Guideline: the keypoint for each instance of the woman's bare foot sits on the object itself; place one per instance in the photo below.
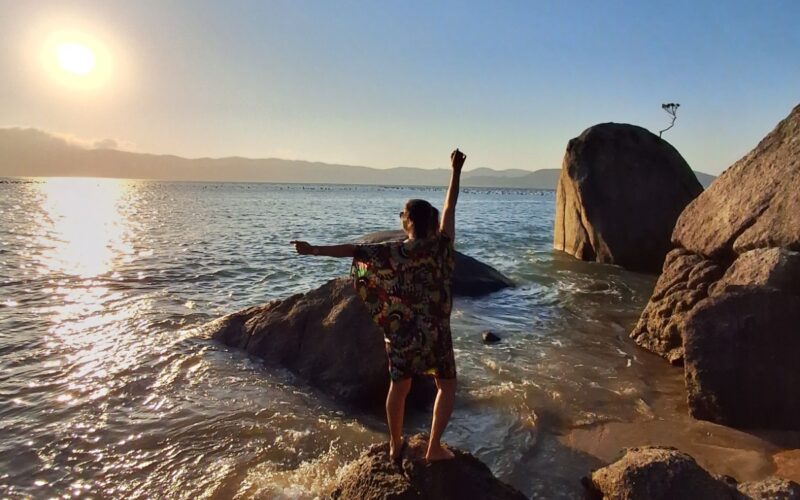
(438, 452)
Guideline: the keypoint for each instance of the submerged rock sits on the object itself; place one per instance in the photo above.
(471, 278)
(654, 473)
(726, 303)
(325, 336)
(490, 337)
(374, 476)
(620, 192)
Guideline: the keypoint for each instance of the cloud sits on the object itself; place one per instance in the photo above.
(107, 143)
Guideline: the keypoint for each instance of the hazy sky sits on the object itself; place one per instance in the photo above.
(385, 84)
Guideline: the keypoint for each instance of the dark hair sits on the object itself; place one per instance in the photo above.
(423, 216)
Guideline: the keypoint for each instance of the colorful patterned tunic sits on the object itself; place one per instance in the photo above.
(407, 289)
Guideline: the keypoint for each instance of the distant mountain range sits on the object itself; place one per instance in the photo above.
(34, 153)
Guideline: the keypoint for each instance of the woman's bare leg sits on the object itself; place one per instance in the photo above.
(442, 408)
(395, 410)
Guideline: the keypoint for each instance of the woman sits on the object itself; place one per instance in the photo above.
(407, 288)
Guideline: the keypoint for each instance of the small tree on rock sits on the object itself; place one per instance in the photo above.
(672, 110)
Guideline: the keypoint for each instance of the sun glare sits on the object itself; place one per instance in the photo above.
(75, 58)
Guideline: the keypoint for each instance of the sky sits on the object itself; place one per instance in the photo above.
(385, 84)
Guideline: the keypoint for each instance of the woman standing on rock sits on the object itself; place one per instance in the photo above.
(407, 287)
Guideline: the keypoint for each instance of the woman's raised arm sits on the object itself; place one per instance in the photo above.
(303, 248)
(457, 159)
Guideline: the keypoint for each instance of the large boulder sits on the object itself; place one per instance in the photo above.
(471, 278)
(325, 336)
(375, 476)
(318, 335)
(742, 350)
(620, 192)
(653, 473)
(726, 302)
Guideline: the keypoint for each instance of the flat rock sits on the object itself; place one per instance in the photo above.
(620, 191)
(374, 476)
(471, 277)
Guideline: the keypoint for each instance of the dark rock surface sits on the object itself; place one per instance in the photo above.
(620, 192)
(654, 473)
(319, 336)
(374, 476)
(742, 350)
(770, 489)
(735, 245)
(471, 278)
(490, 337)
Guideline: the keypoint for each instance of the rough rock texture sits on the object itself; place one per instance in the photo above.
(754, 204)
(471, 278)
(741, 356)
(736, 262)
(770, 489)
(325, 336)
(620, 192)
(374, 476)
(655, 473)
(683, 284)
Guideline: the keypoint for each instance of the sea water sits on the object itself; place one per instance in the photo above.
(106, 390)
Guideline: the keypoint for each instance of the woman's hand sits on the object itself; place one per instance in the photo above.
(457, 159)
(448, 227)
(302, 247)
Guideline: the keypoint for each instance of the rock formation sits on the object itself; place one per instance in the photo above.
(325, 336)
(320, 334)
(654, 473)
(727, 304)
(620, 192)
(374, 476)
(471, 278)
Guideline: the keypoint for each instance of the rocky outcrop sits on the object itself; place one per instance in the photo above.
(374, 476)
(620, 192)
(726, 304)
(682, 285)
(655, 473)
(318, 335)
(326, 337)
(471, 278)
(741, 350)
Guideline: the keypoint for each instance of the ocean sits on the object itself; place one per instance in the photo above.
(107, 391)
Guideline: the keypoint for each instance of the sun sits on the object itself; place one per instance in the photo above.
(78, 60)
(75, 58)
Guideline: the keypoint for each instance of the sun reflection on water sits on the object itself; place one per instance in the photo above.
(84, 226)
(85, 234)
